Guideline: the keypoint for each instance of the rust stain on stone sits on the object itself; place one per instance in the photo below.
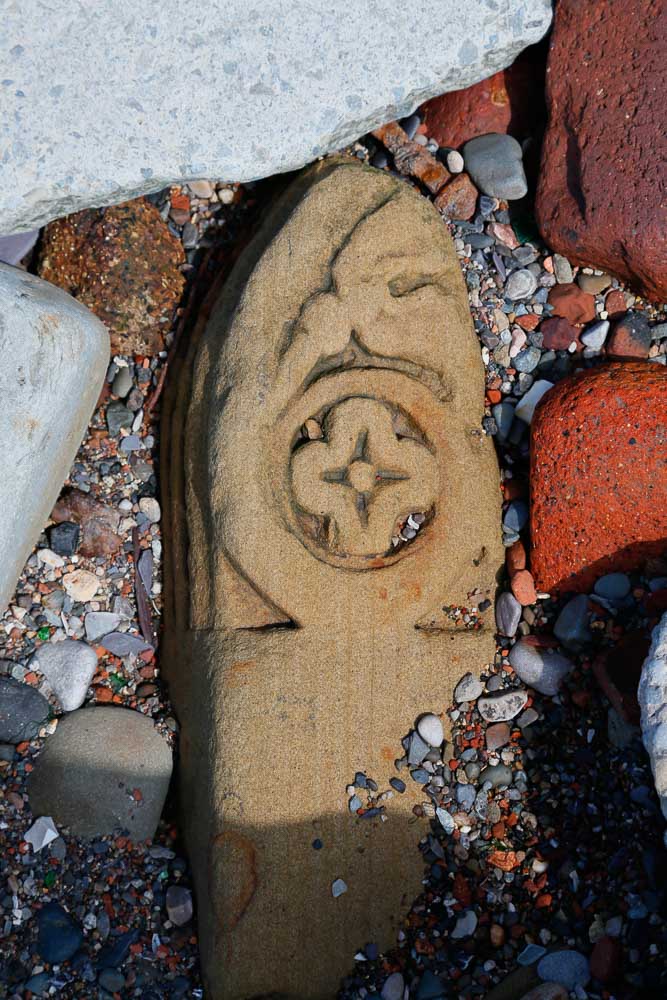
(232, 864)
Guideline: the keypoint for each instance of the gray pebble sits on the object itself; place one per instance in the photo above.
(516, 516)
(508, 614)
(542, 669)
(23, 710)
(497, 774)
(122, 383)
(562, 269)
(595, 335)
(520, 284)
(503, 706)
(69, 667)
(569, 968)
(571, 626)
(469, 688)
(528, 359)
(495, 163)
(465, 796)
(118, 417)
(613, 586)
(503, 414)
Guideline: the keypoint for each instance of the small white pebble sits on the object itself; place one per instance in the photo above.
(338, 887)
(454, 161)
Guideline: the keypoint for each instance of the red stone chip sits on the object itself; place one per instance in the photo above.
(599, 475)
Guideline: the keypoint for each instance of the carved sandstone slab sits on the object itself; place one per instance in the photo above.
(336, 390)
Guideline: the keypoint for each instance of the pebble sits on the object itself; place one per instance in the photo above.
(431, 730)
(520, 284)
(469, 688)
(503, 414)
(99, 623)
(541, 669)
(338, 887)
(111, 980)
(465, 925)
(201, 189)
(495, 163)
(525, 408)
(23, 711)
(497, 774)
(571, 626)
(151, 508)
(527, 360)
(39, 985)
(562, 269)
(42, 832)
(122, 383)
(81, 585)
(454, 161)
(497, 736)
(569, 968)
(69, 667)
(515, 516)
(118, 418)
(503, 705)
(123, 644)
(58, 936)
(179, 905)
(393, 987)
(595, 335)
(613, 586)
(64, 538)
(508, 615)
(523, 588)
(594, 284)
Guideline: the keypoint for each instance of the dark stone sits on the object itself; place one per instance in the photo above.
(58, 936)
(22, 711)
(64, 538)
(630, 337)
(114, 954)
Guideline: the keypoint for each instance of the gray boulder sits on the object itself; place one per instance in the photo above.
(103, 769)
(100, 107)
(652, 695)
(54, 357)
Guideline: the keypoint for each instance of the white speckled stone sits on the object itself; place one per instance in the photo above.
(53, 358)
(103, 102)
(652, 695)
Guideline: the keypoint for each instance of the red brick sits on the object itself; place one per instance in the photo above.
(599, 475)
(599, 196)
(458, 199)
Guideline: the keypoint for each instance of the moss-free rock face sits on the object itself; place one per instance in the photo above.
(53, 356)
(329, 497)
(601, 196)
(598, 475)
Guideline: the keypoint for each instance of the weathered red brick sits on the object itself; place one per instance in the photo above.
(599, 475)
(601, 196)
(458, 199)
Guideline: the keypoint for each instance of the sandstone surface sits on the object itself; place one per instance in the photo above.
(100, 105)
(54, 356)
(602, 195)
(336, 390)
(599, 475)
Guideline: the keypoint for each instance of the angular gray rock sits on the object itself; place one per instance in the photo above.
(23, 710)
(54, 357)
(101, 108)
(103, 769)
(652, 695)
(68, 666)
(541, 669)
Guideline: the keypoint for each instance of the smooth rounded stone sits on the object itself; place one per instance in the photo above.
(122, 382)
(508, 614)
(562, 269)
(111, 980)
(118, 417)
(469, 688)
(54, 358)
(364, 78)
(546, 991)
(541, 669)
(520, 284)
(102, 770)
(151, 508)
(393, 987)
(69, 667)
(465, 796)
(495, 163)
(23, 710)
(595, 335)
(497, 774)
(571, 626)
(465, 925)
(39, 984)
(58, 936)
(525, 408)
(569, 968)
(527, 360)
(124, 644)
(652, 696)
(179, 904)
(503, 705)
(515, 516)
(454, 161)
(431, 730)
(497, 736)
(503, 414)
(100, 623)
(613, 586)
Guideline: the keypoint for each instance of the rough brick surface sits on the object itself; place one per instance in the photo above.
(602, 197)
(599, 475)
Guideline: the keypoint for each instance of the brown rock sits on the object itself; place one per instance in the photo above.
(98, 522)
(630, 337)
(497, 735)
(412, 159)
(615, 304)
(123, 263)
(284, 592)
(458, 199)
(497, 935)
(558, 333)
(515, 557)
(523, 587)
(593, 283)
(507, 102)
(570, 302)
(601, 196)
(598, 475)
(606, 959)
